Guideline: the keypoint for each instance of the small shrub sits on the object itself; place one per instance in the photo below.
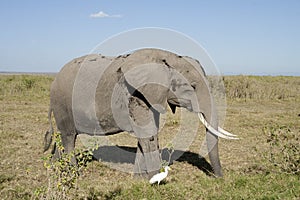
(64, 172)
(23, 84)
(28, 83)
(284, 150)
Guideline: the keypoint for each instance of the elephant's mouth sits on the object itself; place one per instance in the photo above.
(185, 103)
(188, 105)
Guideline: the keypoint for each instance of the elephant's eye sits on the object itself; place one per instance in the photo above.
(193, 86)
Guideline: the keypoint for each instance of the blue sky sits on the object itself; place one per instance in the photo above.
(260, 37)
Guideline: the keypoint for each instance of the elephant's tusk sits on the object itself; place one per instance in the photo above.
(214, 131)
(226, 132)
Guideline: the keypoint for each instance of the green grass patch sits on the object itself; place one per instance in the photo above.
(271, 186)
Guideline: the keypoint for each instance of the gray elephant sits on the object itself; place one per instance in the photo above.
(100, 95)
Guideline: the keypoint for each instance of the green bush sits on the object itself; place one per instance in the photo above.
(63, 172)
(28, 83)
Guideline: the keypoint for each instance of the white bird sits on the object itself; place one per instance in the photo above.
(160, 176)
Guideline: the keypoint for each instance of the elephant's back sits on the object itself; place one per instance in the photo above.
(75, 86)
(62, 86)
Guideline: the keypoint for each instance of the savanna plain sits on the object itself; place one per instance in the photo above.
(264, 163)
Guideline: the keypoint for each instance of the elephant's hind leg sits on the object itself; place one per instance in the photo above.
(68, 144)
(68, 134)
(68, 141)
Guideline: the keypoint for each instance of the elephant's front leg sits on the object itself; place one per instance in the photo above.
(148, 159)
(145, 122)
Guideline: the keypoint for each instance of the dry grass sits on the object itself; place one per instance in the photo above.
(262, 87)
(252, 104)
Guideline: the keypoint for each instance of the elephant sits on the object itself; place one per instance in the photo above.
(101, 95)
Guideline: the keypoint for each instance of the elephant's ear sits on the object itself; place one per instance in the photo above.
(152, 81)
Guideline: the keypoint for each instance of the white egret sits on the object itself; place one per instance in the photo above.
(160, 176)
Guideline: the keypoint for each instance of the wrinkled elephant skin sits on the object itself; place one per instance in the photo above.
(100, 95)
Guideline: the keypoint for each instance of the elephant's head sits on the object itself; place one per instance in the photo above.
(165, 78)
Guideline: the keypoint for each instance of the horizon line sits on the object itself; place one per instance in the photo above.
(294, 74)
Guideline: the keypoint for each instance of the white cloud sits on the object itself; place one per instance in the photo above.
(102, 14)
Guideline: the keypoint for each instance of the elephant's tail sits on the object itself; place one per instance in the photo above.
(49, 133)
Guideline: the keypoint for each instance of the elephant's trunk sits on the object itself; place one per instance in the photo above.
(212, 140)
(212, 144)
(209, 117)
(208, 112)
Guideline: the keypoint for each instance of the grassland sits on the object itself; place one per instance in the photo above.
(257, 107)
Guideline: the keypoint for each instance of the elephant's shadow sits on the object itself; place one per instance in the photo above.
(126, 155)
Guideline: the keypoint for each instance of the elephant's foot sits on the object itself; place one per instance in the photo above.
(147, 165)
